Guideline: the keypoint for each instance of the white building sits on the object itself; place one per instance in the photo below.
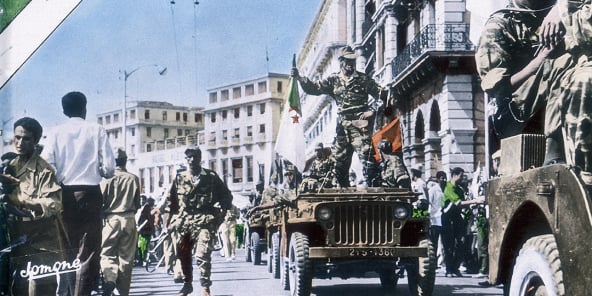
(242, 122)
(157, 135)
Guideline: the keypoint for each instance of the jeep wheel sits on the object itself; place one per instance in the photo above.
(255, 248)
(421, 272)
(285, 274)
(388, 280)
(275, 255)
(248, 257)
(299, 265)
(538, 268)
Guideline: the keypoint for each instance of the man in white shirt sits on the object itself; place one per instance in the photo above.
(79, 151)
(435, 200)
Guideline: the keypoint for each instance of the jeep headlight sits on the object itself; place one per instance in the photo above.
(324, 213)
(401, 212)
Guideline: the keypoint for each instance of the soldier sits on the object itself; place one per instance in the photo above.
(350, 89)
(520, 63)
(394, 173)
(121, 201)
(201, 200)
(321, 172)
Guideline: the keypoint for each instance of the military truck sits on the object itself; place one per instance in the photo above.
(349, 232)
(540, 223)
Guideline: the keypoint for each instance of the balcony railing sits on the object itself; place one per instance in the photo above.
(447, 37)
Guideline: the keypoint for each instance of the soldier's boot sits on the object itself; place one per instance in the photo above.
(186, 290)
(108, 288)
(205, 291)
(554, 150)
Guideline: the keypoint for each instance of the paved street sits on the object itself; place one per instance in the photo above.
(240, 278)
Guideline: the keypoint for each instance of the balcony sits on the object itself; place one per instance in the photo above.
(235, 141)
(248, 140)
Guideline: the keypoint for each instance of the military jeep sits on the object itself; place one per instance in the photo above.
(254, 237)
(349, 233)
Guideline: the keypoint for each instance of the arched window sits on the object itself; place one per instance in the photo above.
(419, 128)
(435, 121)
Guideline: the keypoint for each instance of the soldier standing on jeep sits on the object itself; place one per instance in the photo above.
(350, 89)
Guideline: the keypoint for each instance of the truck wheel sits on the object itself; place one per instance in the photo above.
(538, 268)
(388, 280)
(421, 272)
(255, 248)
(299, 265)
(248, 257)
(285, 274)
(275, 255)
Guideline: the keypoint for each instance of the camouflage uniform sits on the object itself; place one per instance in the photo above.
(351, 96)
(577, 107)
(320, 176)
(201, 202)
(508, 43)
(394, 172)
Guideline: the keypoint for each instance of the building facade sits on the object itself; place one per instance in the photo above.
(420, 52)
(241, 125)
(157, 134)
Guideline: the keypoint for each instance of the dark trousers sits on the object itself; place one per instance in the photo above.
(82, 222)
(454, 229)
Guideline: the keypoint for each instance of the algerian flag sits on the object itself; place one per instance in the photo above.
(290, 140)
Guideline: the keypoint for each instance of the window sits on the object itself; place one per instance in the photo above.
(236, 112)
(224, 114)
(213, 164)
(100, 120)
(108, 119)
(236, 133)
(179, 132)
(116, 134)
(213, 97)
(224, 135)
(262, 108)
(224, 95)
(184, 116)
(141, 180)
(249, 110)
(197, 117)
(236, 92)
(249, 90)
(249, 131)
(147, 114)
(213, 137)
(224, 169)
(133, 131)
(237, 170)
(148, 147)
(148, 131)
(249, 160)
(132, 114)
(262, 87)
(151, 179)
(133, 149)
(279, 86)
(262, 128)
(178, 116)
(166, 133)
(164, 115)
(115, 117)
(212, 117)
(187, 132)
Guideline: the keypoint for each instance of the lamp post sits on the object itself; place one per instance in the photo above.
(126, 75)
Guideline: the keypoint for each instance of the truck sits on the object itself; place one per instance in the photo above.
(350, 232)
(540, 223)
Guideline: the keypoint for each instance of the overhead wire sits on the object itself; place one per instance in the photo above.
(172, 2)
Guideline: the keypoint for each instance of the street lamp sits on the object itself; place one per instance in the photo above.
(126, 75)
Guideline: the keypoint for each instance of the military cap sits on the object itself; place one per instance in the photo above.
(348, 53)
(120, 154)
(319, 146)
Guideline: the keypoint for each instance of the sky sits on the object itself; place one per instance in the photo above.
(204, 46)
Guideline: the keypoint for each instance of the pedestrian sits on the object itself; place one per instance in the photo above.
(435, 196)
(394, 172)
(80, 152)
(350, 89)
(228, 233)
(121, 196)
(418, 185)
(146, 229)
(201, 200)
(36, 199)
(521, 63)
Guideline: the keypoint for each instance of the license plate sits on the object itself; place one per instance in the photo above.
(373, 252)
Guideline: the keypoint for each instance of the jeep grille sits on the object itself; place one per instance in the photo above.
(364, 224)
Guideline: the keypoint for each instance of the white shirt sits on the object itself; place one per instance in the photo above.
(80, 152)
(435, 199)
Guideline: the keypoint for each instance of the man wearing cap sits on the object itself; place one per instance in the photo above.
(321, 172)
(81, 155)
(201, 199)
(394, 172)
(121, 201)
(350, 89)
